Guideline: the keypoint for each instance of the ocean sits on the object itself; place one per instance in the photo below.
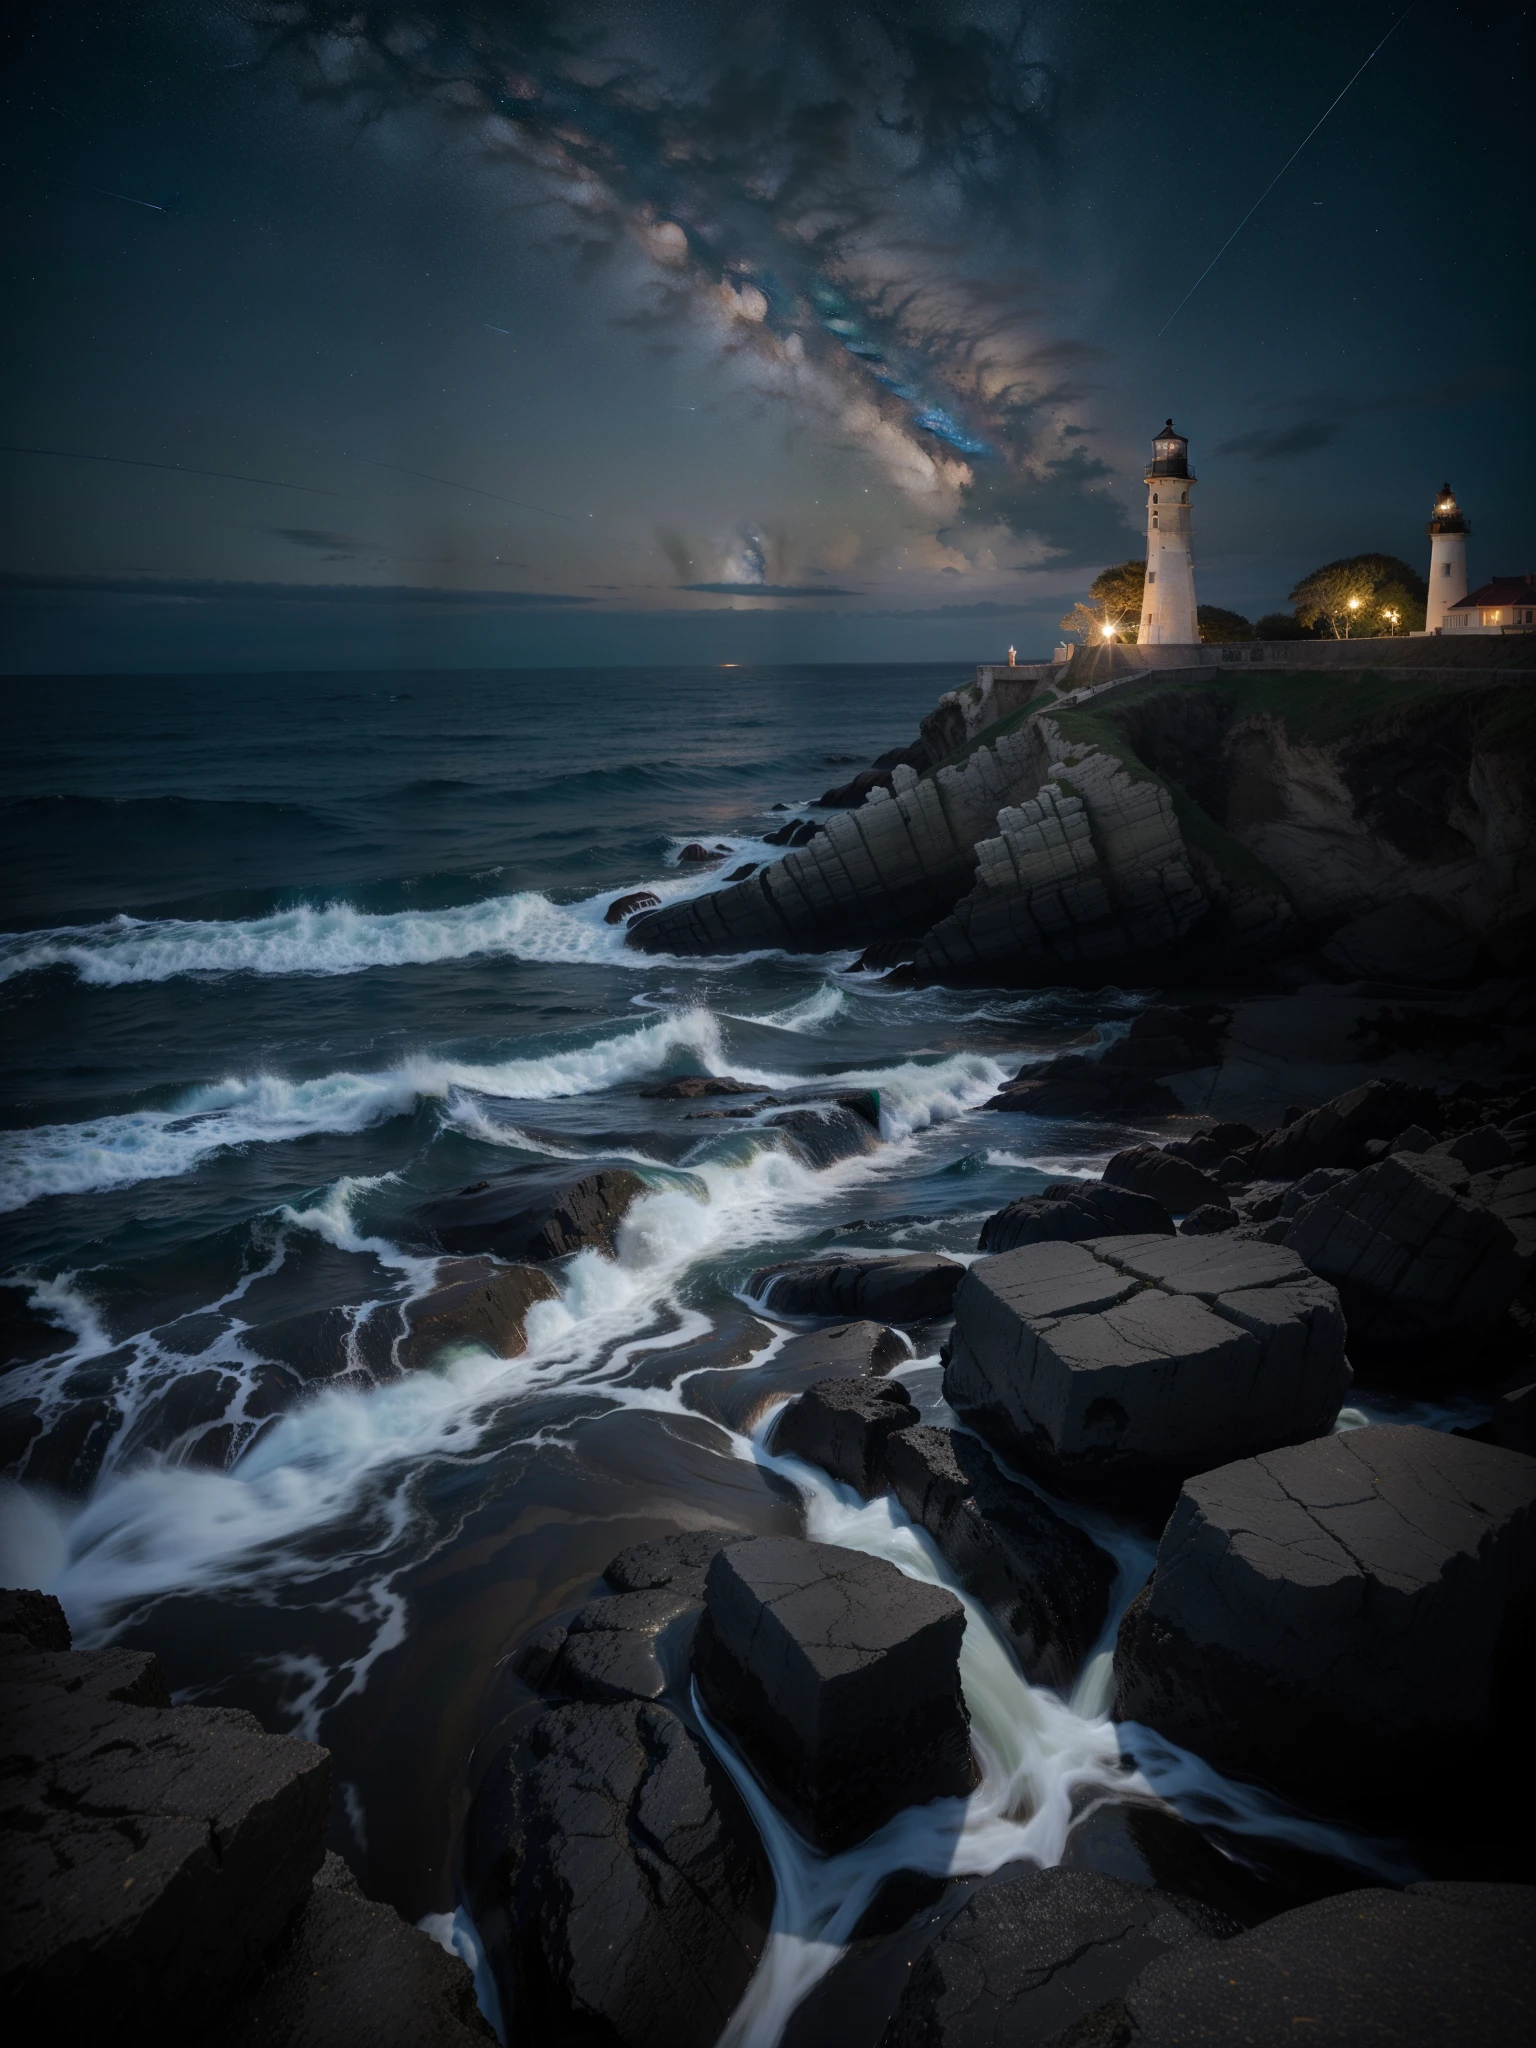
(287, 957)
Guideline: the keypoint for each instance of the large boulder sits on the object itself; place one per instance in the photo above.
(915, 1287)
(1044, 1583)
(839, 1677)
(843, 1426)
(1338, 1133)
(1421, 1968)
(1412, 1249)
(1173, 1183)
(1032, 1955)
(1344, 1620)
(536, 1216)
(1120, 1366)
(1069, 1212)
(616, 1880)
(475, 1302)
(822, 1134)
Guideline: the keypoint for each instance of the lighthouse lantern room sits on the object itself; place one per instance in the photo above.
(1168, 603)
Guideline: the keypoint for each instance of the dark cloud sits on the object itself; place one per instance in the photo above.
(203, 590)
(1065, 503)
(1274, 444)
(318, 540)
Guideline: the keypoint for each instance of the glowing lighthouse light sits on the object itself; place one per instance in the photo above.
(1168, 603)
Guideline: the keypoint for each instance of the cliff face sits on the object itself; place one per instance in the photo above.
(1188, 825)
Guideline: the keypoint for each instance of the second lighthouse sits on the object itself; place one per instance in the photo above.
(1168, 602)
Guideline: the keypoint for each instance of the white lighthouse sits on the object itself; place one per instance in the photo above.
(1168, 602)
(1448, 532)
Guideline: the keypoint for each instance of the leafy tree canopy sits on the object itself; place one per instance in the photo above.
(1362, 595)
(1220, 626)
(1114, 599)
(1280, 626)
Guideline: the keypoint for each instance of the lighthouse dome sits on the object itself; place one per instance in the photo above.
(1170, 454)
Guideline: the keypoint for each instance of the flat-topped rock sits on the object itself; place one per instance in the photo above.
(616, 1880)
(1415, 1249)
(1342, 1619)
(1071, 1211)
(1124, 1364)
(1422, 1968)
(1034, 1953)
(842, 1426)
(839, 1676)
(843, 1351)
(1043, 1581)
(536, 1216)
(913, 1288)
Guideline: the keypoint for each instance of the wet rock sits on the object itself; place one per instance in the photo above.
(914, 1288)
(149, 1855)
(625, 906)
(1044, 1583)
(617, 1880)
(843, 1425)
(1119, 1367)
(350, 1971)
(1032, 1954)
(823, 1134)
(1343, 1619)
(610, 1648)
(26, 1334)
(1070, 1211)
(694, 855)
(1434, 1964)
(1207, 1221)
(839, 1676)
(475, 1302)
(676, 1563)
(748, 867)
(1337, 1134)
(1408, 940)
(1074, 1085)
(693, 1087)
(1414, 1251)
(845, 1351)
(1147, 1843)
(1167, 1179)
(536, 1216)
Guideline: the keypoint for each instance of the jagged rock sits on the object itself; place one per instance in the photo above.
(1169, 1180)
(1414, 1139)
(1337, 1134)
(536, 1216)
(844, 1351)
(1343, 1618)
(1073, 1085)
(1309, 1187)
(1435, 1964)
(1071, 1211)
(914, 1288)
(1409, 940)
(616, 1880)
(693, 1087)
(1412, 1251)
(1091, 869)
(1213, 1148)
(1207, 1221)
(610, 1648)
(1125, 1364)
(475, 1302)
(1480, 1149)
(842, 1426)
(1171, 1039)
(149, 1855)
(679, 1563)
(1045, 1583)
(840, 1678)
(625, 906)
(849, 795)
(36, 1618)
(1032, 1954)
(351, 1971)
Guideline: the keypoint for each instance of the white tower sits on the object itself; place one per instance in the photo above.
(1447, 559)
(1168, 603)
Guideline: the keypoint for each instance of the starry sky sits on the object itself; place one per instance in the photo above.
(659, 331)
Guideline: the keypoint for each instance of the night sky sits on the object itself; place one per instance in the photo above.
(685, 332)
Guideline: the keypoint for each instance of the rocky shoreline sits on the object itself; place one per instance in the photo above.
(1333, 1192)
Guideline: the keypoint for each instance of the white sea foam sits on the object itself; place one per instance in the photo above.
(156, 1144)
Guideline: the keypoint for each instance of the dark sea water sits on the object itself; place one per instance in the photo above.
(285, 958)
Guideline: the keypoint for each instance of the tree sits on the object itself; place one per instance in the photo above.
(1222, 627)
(1352, 597)
(1114, 600)
(1280, 626)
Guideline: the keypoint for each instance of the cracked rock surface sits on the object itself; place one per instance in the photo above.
(1033, 1954)
(1342, 1617)
(839, 1677)
(1435, 1964)
(843, 1426)
(1070, 1212)
(1124, 1364)
(617, 1880)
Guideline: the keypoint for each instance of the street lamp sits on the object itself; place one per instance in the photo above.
(1391, 618)
(1107, 630)
(1353, 608)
